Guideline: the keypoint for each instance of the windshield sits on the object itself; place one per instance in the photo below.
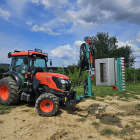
(18, 64)
(38, 62)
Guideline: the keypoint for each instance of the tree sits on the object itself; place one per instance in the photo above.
(126, 52)
(106, 47)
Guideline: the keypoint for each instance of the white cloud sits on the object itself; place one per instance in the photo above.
(4, 14)
(67, 52)
(35, 28)
(64, 52)
(65, 62)
(63, 20)
(134, 47)
(50, 3)
(78, 43)
(28, 22)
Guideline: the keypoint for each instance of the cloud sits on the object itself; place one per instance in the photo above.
(65, 62)
(28, 22)
(78, 43)
(4, 14)
(64, 52)
(130, 43)
(91, 12)
(63, 20)
(67, 52)
(50, 3)
(35, 28)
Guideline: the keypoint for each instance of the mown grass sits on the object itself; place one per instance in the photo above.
(102, 91)
(5, 109)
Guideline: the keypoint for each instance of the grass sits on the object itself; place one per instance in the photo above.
(69, 125)
(137, 106)
(15, 118)
(127, 126)
(80, 120)
(1, 122)
(121, 114)
(96, 124)
(106, 131)
(100, 99)
(25, 110)
(103, 91)
(134, 123)
(90, 137)
(5, 109)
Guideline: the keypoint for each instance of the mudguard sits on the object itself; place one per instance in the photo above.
(15, 76)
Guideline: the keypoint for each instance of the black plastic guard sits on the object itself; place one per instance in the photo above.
(70, 99)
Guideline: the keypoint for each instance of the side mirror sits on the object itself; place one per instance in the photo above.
(50, 63)
(9, 55)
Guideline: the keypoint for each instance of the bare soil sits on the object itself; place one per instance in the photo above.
(86, 120)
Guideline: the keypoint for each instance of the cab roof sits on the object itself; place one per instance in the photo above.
(26, 53)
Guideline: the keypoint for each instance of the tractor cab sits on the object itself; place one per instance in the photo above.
(27, 64)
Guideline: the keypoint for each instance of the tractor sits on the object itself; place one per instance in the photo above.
(28, 80)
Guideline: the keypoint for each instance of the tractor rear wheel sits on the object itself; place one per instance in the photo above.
(9, 93)
(47, 104)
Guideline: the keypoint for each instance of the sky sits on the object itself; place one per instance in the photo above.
(58, 27)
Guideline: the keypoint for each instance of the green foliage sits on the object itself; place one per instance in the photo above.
(74, 76)
(129, 74)
(59, 70)
(106, 131)
(5, 109)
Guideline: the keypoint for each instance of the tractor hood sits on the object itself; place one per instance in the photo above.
(56, 75)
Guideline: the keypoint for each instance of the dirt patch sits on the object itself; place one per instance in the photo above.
(75, 123)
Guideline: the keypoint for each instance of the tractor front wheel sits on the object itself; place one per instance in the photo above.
(47, 104)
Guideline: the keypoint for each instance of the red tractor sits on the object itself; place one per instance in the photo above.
(28, 79)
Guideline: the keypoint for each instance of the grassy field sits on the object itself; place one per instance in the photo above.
(102, 91)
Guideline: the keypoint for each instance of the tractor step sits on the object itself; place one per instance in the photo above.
(25, 97)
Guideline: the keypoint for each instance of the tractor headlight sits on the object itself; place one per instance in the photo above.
(63, 81)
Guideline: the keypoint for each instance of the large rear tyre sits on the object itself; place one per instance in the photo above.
(9, 92)
(47, 105)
